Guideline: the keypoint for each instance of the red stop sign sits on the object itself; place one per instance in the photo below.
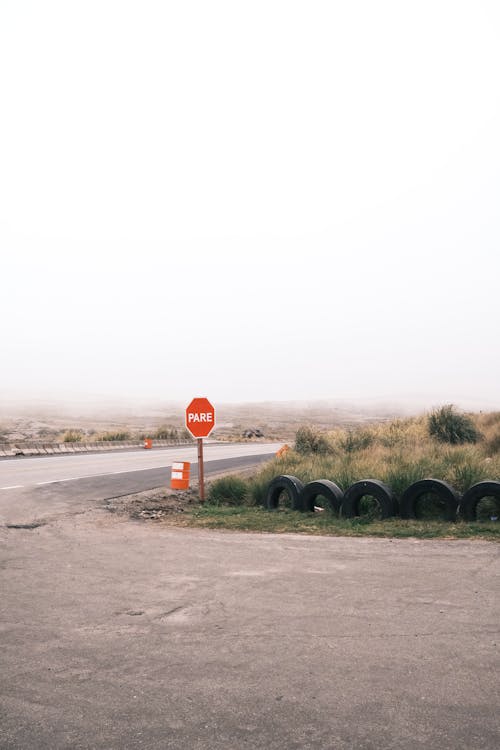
(200, 417)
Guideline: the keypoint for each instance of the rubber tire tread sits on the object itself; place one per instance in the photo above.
(379, 490)
(327, 489)
(291, 485)
(471, 498)
(445, 491)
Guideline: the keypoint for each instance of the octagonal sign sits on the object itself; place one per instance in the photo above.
(200, 417)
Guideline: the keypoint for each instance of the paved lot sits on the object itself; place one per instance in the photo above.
(118, 634)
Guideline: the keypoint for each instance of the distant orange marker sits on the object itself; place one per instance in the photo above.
(283, 450)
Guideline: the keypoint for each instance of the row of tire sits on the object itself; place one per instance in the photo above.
(304, 497)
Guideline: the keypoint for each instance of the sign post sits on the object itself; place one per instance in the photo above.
(201, 477)
(200, 421)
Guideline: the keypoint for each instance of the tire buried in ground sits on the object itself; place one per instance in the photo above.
(374, 488)
(284, 483)
(437, 487)
(474, 495)
(329, 490)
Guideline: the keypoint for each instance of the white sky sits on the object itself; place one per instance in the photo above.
(250, 200)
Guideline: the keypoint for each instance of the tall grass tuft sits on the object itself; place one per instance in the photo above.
(229, 490)
(114, 436)
(72, 436)
(448, 426)
(311, 440)
(356, 440)
(165, 432)
(257, 490)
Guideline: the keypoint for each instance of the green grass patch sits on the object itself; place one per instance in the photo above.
(257, 519)
(230, 490)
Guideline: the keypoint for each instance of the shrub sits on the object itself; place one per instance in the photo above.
(448, 426)
(356, 441)
(165, 432)
(228, 490)
(400, 433)
(310, 440)
(115, 436)
(72, 436)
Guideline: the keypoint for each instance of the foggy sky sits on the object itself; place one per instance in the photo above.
(250, 201)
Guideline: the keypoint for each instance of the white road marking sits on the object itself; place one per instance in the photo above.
(12, 487)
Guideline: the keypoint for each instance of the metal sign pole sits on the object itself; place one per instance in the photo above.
(200, 470)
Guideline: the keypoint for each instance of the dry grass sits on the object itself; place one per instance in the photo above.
(398, 453)
(402, 452)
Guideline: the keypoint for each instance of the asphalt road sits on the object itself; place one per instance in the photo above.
(39, 470)
(37, 489)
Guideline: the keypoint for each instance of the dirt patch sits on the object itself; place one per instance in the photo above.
(164, 503)
(153, 504)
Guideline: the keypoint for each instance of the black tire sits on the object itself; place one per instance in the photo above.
(471, 499)
(285, 482)
(437, 487)
(380, 491)
(326, 489)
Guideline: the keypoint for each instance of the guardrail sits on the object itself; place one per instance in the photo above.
(39, 448)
